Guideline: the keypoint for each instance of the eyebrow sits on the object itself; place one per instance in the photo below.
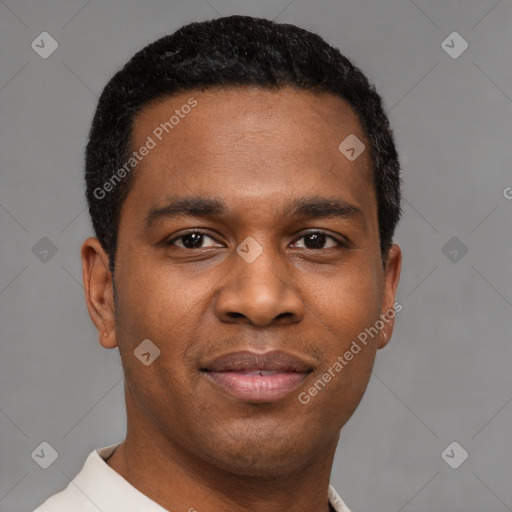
(308, 207)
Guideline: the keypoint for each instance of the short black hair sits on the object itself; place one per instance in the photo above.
(232, 51)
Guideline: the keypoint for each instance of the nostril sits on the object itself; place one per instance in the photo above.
(236, 315)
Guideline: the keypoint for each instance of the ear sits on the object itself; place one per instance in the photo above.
(99, 290)
(389, 306)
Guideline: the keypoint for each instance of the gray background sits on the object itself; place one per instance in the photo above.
(444, 377)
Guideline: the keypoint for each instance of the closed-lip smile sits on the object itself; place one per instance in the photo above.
(256, 376)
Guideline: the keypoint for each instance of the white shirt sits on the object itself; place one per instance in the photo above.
(99, 488)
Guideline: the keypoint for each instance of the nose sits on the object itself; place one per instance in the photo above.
(261, 293)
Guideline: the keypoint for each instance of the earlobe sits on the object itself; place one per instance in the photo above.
(108, 340)
(98, 287)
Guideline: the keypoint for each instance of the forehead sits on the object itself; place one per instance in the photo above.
(321, 120)
(248, 144)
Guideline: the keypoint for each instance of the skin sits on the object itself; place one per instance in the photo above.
(188, 443)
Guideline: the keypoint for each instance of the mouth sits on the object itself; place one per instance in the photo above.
(257, 377)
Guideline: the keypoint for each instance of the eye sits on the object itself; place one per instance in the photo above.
(196, 239)
(192, 240)
(318, 239)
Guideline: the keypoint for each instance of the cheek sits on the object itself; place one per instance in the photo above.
(345, 303)
(151, 300)
(344, 312)
(163, 307)
(153, 306)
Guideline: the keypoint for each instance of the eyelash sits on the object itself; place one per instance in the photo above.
(340, 244)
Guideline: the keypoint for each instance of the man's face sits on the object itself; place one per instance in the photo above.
(316, 284)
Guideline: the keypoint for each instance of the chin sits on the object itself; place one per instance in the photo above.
(258, 456)
(271, 465)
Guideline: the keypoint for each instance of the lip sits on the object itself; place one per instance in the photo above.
(257, 377)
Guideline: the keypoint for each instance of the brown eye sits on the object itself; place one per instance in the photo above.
(318, 240)
(192, 240)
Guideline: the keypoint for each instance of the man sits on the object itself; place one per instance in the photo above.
(244, 188)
